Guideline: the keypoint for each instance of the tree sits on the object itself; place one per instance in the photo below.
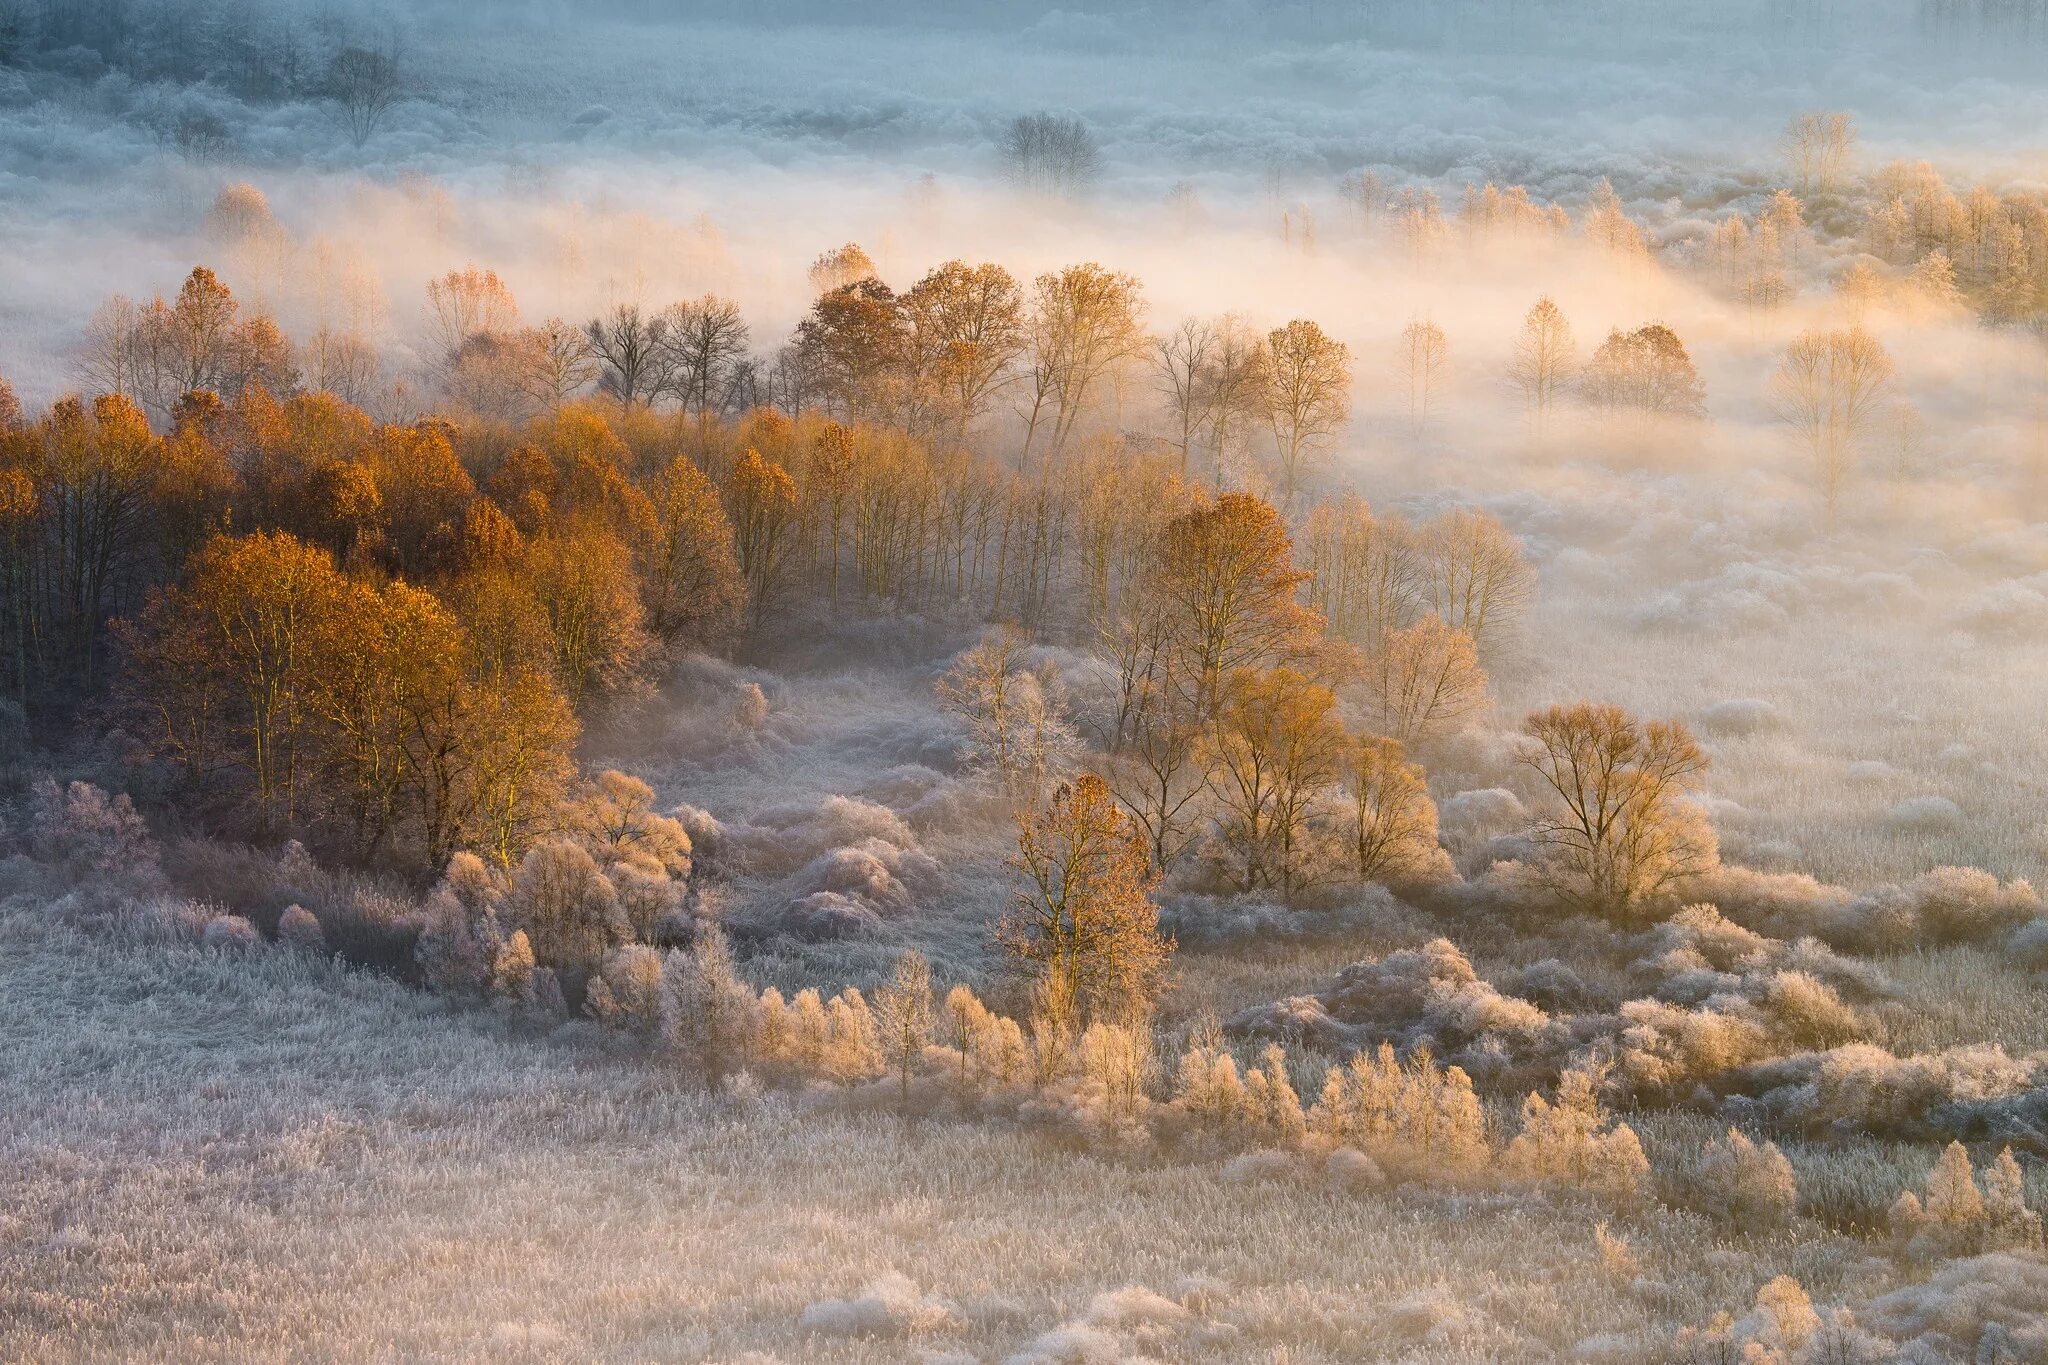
(629, 349)
(691, 582)
(852, 344)
(1048, 155)
(904, 1017)
(1222, 578)
(1818, 146)
(1018, 732)
(1235, 384)
(1424, 359)
(224, 662)
(1083, 324)
(703, 340)
(1181, 362)
(1390, 825)
(1308, 395)
(464, 304)
(1423, 680)
(1274, 755)
(966, 331)
(365, 84)
(764, 507)
(1544, 359)
(842, 266)
(1829, 390)
(710, 1019)
(1645, 373)
(1473, 573)
(563, 365)
(1620, 831)
(1082, 926)
(582, 577)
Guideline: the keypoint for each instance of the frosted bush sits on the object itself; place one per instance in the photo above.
(230, 934)
(1745, 1184)
(90, 837)
(300, 928)
(891, 1305)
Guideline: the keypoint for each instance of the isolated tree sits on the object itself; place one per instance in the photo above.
(1422, 680)
(1619, 830)
(364, 83)
(1083, 323)
(1236, 387)
(631, 357)
(1818, 148)
(840, 267)
(1830, 390)
(966, 331)
(1275, 749)
(904, 1017)
(464, 304)
(1544, 360)
(1646, 374)
(1422, 363)
(1050, 155)
(1181, 362)
(1018, 731)
(1308, 395)
(1473, 573)
(1082, 926)
(1390, 821)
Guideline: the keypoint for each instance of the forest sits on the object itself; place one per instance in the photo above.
(1319, 682)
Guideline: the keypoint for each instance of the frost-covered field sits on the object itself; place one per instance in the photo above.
(214, 1158)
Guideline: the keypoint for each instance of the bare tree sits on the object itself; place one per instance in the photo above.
(1180, 363)
(630, 353)
(1818, 147)
(1050, 155)
(702, 340)
(463, 304)
(1423, 680)
(1544, 359)
(364, 82)
(1308, 395)
(1473, 572)
(1236, 387)
(1828, 390)
(563, 363)
(1423, 361)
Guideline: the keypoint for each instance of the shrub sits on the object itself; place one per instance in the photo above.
(231, 934)
(300, 928)
(1748, 1186)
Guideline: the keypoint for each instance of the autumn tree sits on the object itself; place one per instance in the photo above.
(1645, 374)
(1082, 925)
(1423, 680)
(691, 582)
(463, 305)
(764, 508)
(1389, 822)
(1083, 323)
(1544, 360)
(1366, 573)
(853, 347)
(582, 577)
(1223, 579)
(966, 330)
(1275, 749)
(1308, 395)
(1620, 830)
(1829, 391)
(841, 266)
